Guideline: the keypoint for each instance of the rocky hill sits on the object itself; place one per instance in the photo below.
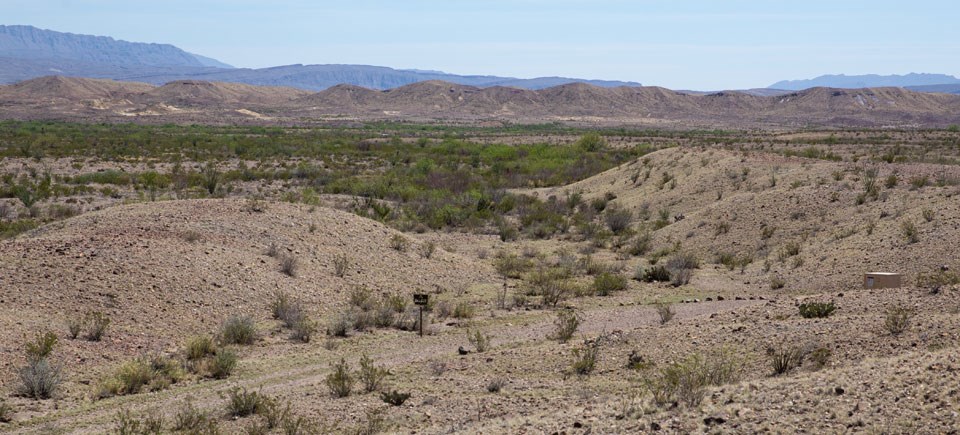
(200, 101)
(867, 81)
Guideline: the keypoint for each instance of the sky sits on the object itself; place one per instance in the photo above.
(679, 44)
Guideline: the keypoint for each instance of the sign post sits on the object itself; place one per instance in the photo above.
(421, 301)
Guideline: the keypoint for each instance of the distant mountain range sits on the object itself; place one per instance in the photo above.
(28, 52)
(911, 80)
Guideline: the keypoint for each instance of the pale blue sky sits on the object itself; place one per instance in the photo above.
(680, 44)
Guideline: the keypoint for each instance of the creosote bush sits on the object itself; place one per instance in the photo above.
(340, 381)
(200, 347)
(371, 375)
(897, 319)
(238, 330)
(399, 243)
(242, 403)
(479, 340)
(811, 310)
(566, 324)
(585, 357)
(97, 324)
(685, 381)
(665, 311)
(288, 265)
(607, 283)
(128, 424)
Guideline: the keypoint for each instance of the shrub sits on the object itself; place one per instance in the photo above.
(370, 375)
(640, 245)
(273, 250)
(777, 283)
(238, 330)
(685, 381)
(6, 411)
(128, 424)
(74, 327)
(286, 309)
(607, 283)
(512, 266)
(479, 340)
(817, 309)
(665, 311)
(153, 373)
(200, 347)
(496, 384)
(41, 346)
(242, 403)
(897, 320)
(618, 219)
(566, 324)
(783, 359)
(928, 215)
(656, 274)
(910, 232)
(919, 181)
(394, 397)
(192, 420)
(585, 357)
(399, 243)
(97, 324)
(288, 265)
(820, 357)
(303, 329)
(340, 381)
(463, 310)
(274, 413)
(788, 250)
(340, 325)
(361, 297)
(192, 236)
(680, 267)
(223, 363)
(340, 264)
(40, 379)
(427, 249)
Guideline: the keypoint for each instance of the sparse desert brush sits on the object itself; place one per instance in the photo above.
(126, 423)
(463, 310)
(6, 411)
(640, 245)
(139, 374)
(512, 266)
(399, 243)
(606, 284)
(289, 265)
(789, 249)
(654, 274)
(192, 236)
(811, 310)
(585, 357)
(223, 363)
(75, 325)
(820, 357)
(97, 324)
(928, 214)
(40, 378)
(303, 329)
(341, 324)
(370, 374)
(238, 330)
(664, 311)
(910, 231)
(618, 219)
(919, 181)
(897, 319)
(785, 358)
(242, 403)
(189, 419)
(935, 282)
(41, 346)
(361, 297)
(340, 381)
(777, 283)
(428, 249)
(566, 324)
(479, 340)
(685, 381)
(340, 265)
(394, 397)
(496, 384)
(273, 250)
(199, 347)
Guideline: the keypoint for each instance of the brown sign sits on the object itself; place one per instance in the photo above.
(420, 299)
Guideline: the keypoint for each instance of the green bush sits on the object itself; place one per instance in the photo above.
(223, 363)
(41, 346)
(40, 379)
(817, 310)
(340, 381)
(685, 381)
(128, 424)
(585, 357)
(370, 375)
(606, 283)
(479, 340)
(897, 319)
(566, 324)
(97, 325)
(191, 420)
(200, 347)
(238, 330)
(783, 359)
(394, 397)
(242, 403)
(665, 311)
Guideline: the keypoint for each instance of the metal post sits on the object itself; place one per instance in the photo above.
(421, 320)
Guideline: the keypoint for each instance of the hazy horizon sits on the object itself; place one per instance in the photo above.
(698, 44)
